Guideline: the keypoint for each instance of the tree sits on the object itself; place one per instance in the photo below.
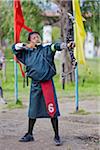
(90, 10)
(66, 35)
(32, 16)
(6, 21)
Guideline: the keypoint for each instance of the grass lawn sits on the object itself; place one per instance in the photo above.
(90, 88)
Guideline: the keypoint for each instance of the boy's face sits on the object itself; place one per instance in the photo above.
(35, 39)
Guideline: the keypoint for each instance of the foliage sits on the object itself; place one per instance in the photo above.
(32, 16)
(6, 21)
(90, 11)
(56, 34)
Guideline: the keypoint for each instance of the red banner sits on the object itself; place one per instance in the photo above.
(18, 25)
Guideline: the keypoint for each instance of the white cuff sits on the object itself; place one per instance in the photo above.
(19, 46)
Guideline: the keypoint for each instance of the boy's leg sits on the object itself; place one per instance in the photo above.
(54, 122)
(31, 125)
(28, 136)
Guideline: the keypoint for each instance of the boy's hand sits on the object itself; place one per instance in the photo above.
(63, 45)
(19, 46)
(71, 44)
(28, 45)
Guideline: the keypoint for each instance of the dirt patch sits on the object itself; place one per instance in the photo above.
(90, 139)
(78, 132)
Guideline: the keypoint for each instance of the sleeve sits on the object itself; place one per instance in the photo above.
(21, 54)
(56, 47)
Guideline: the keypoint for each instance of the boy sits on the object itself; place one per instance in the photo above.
(40, 67)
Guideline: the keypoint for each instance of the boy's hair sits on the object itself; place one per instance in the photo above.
(34, 32)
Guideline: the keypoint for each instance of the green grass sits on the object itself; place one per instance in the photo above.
(13, 105)
(8, 85)
(98, 113)
(91, 87)
(81, 112)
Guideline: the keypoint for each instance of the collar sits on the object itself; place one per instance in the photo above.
(39, 46)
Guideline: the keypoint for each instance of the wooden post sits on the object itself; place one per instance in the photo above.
(63, 77)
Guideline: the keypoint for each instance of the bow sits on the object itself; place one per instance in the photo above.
(69, 38)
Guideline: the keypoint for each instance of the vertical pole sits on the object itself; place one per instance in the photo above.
(76, 89)
(15, 63)
(63, 72)
(16, 80)
(76, 70)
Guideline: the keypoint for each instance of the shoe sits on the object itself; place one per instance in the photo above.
(57, 141)
(27, 138)
(3, 101)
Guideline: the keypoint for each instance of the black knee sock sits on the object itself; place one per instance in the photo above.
(31, 125)
(54, 122)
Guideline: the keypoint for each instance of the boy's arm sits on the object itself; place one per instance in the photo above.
(69, 46)
(17, 48)
(56, 47)
(60, 46)
(19, 51)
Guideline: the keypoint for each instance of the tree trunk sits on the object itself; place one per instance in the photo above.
(66, 27)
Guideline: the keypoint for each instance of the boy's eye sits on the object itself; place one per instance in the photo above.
(33, 37)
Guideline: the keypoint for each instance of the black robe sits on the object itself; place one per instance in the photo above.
(40, 67)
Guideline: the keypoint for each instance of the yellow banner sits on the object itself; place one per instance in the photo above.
(79, 33)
